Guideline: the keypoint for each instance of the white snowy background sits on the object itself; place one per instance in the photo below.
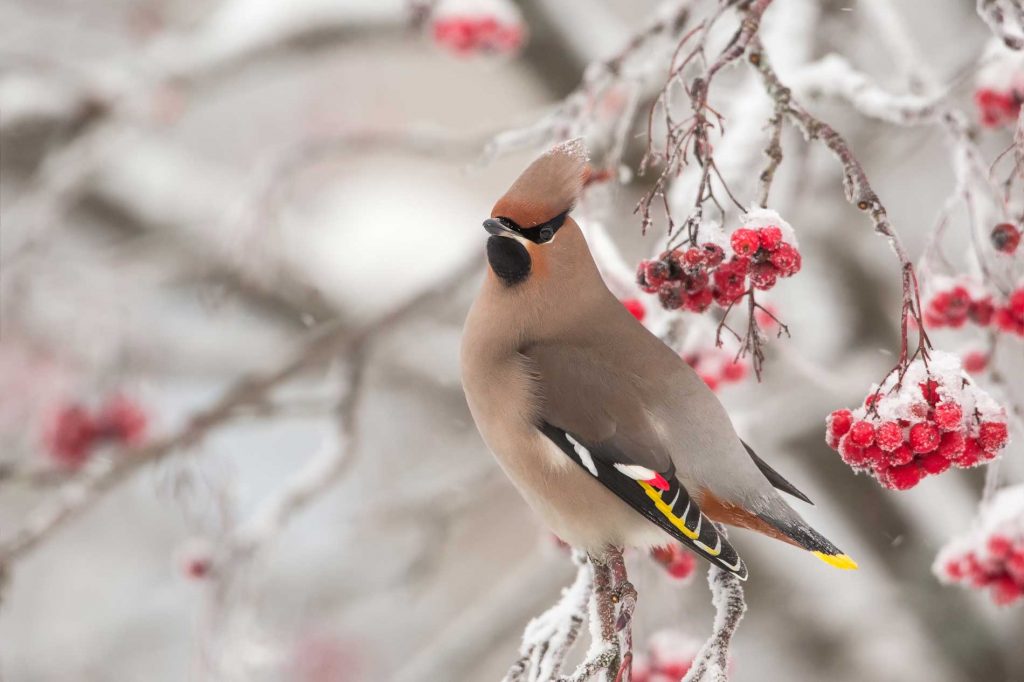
(169, 256)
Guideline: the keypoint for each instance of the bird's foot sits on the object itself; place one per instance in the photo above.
(624, 595)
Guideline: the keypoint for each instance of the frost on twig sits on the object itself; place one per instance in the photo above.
(1006, 19)
(600, 594)
(549, 637)
(712, 662)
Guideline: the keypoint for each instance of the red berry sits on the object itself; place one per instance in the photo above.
(839, 422)
(934, 463)
(670, 294)
(996, 108)
(763, 275)
(992, 436)
(889, 436)
(70, 435)
(862, 434)
(948, 416)
(901, 455)
(971, 454)
(635, 308)
(851, 453)
(734, 371)
(1000, 546)
(651, 274)
(975, 361)
(693, 257)
(745, 242)
(714, 254)
(924, 437)
(770, 237)
(1005, 237)
(981, 311)
(699, 301)
(123, 420)
(951, 446)
(711, 381)
(787, 259)
(903, 477)
(872, 399)
(695, 281)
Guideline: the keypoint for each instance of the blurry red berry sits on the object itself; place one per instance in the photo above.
(699, 301)
(122, 419)
(70, 435)
(635, 308)
(975, 361)
(934, 463)
(1005, 237)
(734, 371)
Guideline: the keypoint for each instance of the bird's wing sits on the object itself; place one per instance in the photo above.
(657, 495)
(774, 477)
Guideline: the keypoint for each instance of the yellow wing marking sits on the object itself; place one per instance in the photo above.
(666, 510)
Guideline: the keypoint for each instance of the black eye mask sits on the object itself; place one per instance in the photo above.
(538, 234)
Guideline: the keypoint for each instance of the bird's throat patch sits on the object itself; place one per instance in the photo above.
(509, 259)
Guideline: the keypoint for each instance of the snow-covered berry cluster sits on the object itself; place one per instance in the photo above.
(717, 366)
(952, 302)
(679, 563)
(933, 419)
(999, 88)
(472, 28)
(1005, 238)
(756, 255)
(73, 431)
(668, 656)
(991, 556)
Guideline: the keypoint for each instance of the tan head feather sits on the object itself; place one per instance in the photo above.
(548, 187)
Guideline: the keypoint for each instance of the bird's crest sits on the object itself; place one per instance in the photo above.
(549, 186)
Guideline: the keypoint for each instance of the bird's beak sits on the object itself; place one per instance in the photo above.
(497, 229)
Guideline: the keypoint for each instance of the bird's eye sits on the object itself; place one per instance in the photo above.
(546, 234)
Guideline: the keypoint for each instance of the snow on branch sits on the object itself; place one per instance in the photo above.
(1006, 19)
(712, 661)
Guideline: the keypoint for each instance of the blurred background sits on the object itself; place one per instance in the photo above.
(239, 240)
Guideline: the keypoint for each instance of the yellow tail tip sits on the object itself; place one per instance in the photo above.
(837, 560)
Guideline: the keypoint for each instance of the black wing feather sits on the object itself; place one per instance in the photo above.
(774, 477)
(667, 509)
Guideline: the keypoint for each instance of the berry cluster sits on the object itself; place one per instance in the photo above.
(692, 279)
(997, 108)
(991, 556)
(1010, 317)
(1005, 238)
(678, 562)
(72, 432)
(466, 35)
(717, 366)
(952, 302)
(933, 419)
(667, 658)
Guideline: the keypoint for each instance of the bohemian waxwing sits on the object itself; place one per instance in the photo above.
(609, 435)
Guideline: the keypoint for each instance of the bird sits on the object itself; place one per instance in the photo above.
(608, 434)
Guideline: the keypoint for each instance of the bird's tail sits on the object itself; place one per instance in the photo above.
(814, 542)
